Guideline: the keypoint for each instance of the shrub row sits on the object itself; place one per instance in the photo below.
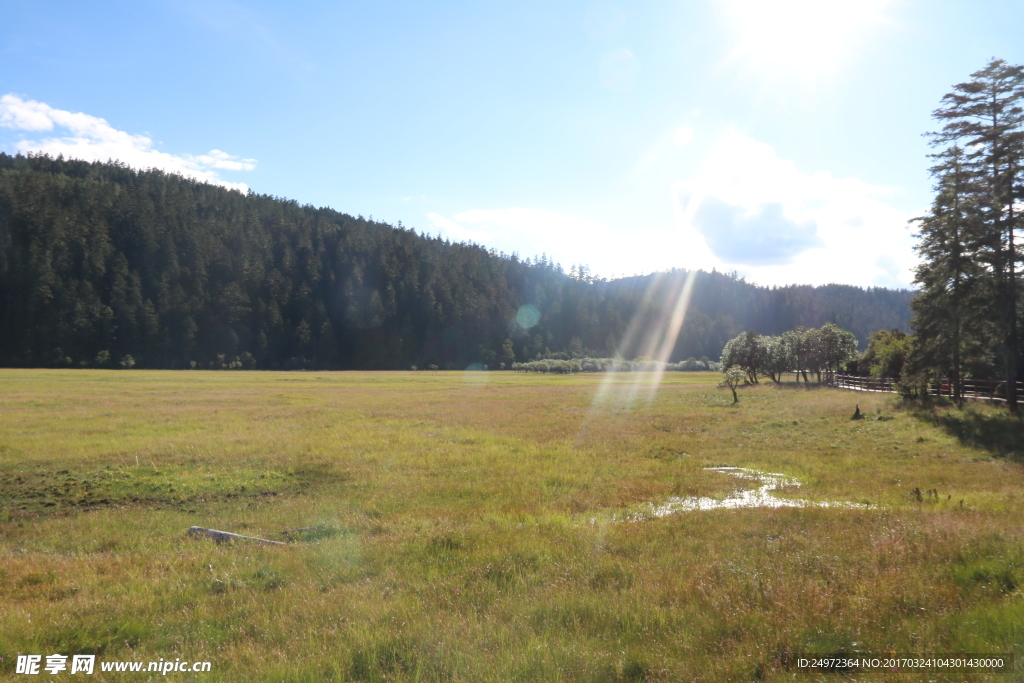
(566, 367)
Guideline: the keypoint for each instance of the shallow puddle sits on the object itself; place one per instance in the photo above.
(762, 496)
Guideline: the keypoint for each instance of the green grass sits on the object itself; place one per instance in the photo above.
(467, 526)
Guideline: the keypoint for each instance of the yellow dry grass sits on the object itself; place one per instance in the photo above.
(471, 527)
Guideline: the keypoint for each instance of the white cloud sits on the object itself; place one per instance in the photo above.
(682, 136)
(565, 237)
(455, 231)
(755, 212)
(223, 160)
(745, 208)
(81, 136)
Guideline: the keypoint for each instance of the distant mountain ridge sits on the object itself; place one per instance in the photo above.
(99, 261)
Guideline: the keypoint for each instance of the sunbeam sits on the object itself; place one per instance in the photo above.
(651, 335)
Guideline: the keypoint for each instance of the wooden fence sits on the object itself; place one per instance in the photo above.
(981, 389)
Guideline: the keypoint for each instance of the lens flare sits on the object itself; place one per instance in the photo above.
(527, 316)
(651, 335)
(476, 374)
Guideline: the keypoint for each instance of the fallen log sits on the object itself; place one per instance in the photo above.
(223, 536)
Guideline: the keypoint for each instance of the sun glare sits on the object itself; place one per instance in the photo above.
(667, 297)
(809, 36)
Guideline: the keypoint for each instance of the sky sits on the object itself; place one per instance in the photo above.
(778, 139)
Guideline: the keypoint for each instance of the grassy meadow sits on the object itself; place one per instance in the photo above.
(491, 527)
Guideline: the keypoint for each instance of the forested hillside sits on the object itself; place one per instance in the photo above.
(100, 261)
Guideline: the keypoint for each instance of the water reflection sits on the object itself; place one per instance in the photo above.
(763, 496)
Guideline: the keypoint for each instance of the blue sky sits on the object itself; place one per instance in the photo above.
(777, 138)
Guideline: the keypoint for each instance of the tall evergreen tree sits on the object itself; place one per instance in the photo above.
(985, 117)
(950, 278)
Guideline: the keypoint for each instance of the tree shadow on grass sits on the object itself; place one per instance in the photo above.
(791, 385)
(998, 433)
(798, 385)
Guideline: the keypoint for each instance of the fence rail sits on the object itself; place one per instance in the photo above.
(981, 389)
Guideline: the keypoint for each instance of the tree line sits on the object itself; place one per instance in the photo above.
(800, 351)
(967, 314)
(575, 365)
(102, 265)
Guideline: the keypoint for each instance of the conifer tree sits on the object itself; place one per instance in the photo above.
(950, 277)
(98, 257)
(984, 116)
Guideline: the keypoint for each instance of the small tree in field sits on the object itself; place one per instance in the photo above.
(838, 347)
(776, 356)
(733, 377)
(745, 351)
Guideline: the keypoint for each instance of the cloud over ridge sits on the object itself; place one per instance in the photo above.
(751, 210)
(91, 138)
(764, 236)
